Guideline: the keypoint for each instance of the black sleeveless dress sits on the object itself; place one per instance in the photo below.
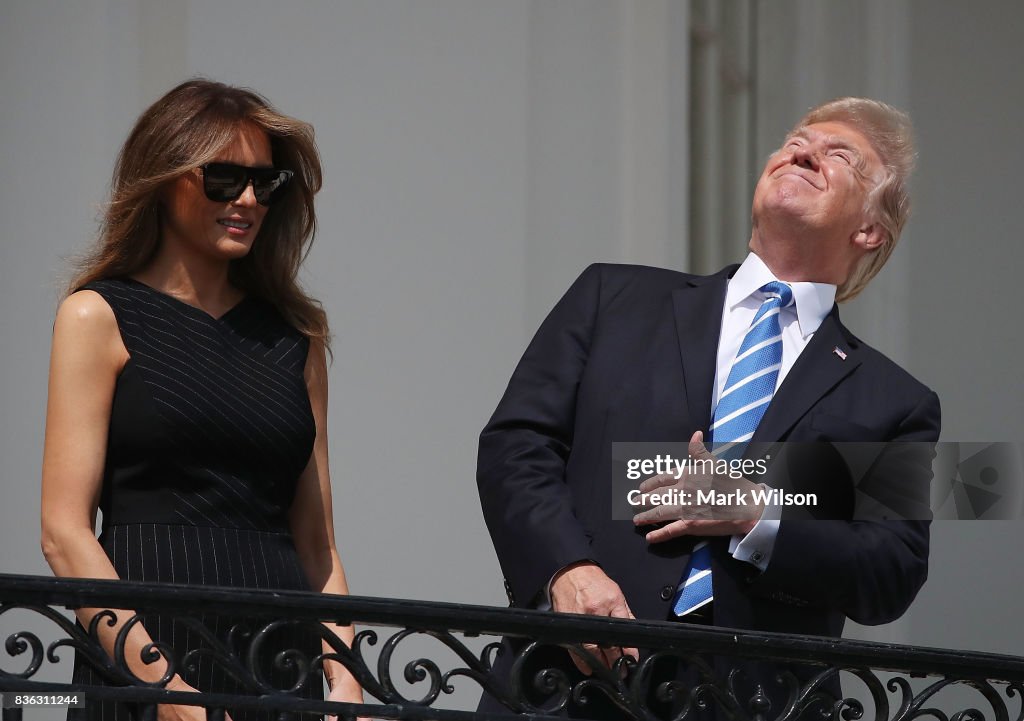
(210, 429)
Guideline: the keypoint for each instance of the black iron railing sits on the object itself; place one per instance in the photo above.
(896, 683)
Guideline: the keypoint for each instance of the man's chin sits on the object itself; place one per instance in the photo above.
(786, 209)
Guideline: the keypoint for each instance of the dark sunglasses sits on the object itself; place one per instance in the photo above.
(225, 182)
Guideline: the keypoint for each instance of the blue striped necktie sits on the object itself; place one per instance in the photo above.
(748, 391)
(751, 382)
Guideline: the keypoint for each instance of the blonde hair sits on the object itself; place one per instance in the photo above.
(891, 135)
(190, 126)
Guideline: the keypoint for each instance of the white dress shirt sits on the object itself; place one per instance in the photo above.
(812, 302)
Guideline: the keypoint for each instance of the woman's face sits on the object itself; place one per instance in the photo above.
(219, 230)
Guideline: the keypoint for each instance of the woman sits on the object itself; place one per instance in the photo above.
(188, 385)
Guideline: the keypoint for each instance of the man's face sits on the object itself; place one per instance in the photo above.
(819, 180)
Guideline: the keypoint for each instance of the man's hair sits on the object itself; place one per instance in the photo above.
(891, 135)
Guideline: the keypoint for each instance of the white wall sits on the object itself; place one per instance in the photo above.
(478, 155)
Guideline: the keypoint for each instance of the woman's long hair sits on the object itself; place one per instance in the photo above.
(184, 129)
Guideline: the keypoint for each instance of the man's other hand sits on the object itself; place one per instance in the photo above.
(693, 518)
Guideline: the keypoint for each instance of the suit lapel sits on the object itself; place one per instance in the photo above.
(819, 368)
(698, 316)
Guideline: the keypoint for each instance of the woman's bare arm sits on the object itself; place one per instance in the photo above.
(86, 358)
(312, 522)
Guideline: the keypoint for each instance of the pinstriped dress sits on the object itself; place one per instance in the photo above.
(210, 429)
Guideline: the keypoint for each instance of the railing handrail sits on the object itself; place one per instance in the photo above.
(475, 619)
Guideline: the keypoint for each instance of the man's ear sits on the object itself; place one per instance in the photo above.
(870, 237)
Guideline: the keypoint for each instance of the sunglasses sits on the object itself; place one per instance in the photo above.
(225, 182)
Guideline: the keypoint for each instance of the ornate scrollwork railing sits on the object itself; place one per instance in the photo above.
(711, 667)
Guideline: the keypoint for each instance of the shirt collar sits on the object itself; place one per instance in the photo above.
(813, 300)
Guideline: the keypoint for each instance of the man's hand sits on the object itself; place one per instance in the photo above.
(585, 588)
(689, 517)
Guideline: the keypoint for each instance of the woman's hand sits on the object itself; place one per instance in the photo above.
(181, 712)
(347, 691)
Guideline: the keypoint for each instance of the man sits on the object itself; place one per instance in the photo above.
(644, 354)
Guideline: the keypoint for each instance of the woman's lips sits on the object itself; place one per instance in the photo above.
(235, 226)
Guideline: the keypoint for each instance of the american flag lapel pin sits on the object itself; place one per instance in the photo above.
(839, 352)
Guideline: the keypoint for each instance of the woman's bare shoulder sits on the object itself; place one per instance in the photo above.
(86, 320)
(86, 311)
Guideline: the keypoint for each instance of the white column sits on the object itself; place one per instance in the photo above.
(720, 136)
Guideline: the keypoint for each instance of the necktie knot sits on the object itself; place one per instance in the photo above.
(777, 289)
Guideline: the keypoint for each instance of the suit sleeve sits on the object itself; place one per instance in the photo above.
(871, 570)
(525, 446)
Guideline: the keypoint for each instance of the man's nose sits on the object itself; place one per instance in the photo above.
(806, 156)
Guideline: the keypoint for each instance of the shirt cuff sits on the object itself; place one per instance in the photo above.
(543, 599)
(756, 546)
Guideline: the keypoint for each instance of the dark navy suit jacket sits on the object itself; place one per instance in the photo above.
(628, 354)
